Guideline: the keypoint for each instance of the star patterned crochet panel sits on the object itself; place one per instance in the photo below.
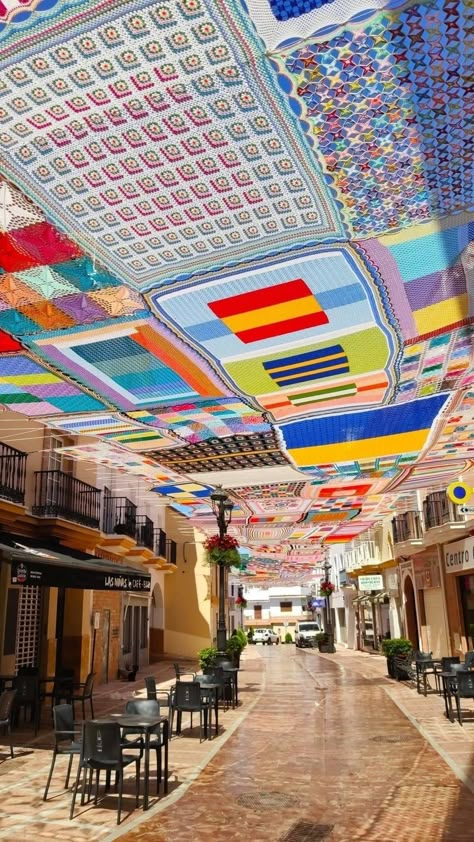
(152, 140)
(386, 105)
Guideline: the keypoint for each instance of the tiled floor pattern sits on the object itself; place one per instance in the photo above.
(325, 746)
(23, 813)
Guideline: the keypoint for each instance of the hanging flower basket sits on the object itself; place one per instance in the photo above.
(241, 602)
(222, 551)
(326, 588)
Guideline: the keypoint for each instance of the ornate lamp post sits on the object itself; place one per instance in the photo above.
(328, 619)
(222, 508)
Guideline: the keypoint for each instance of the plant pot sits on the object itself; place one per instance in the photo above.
(391, 666)
(324, 647)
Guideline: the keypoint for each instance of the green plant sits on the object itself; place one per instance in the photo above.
(288, 638)
(240, 635)
(321, 637)
(207, 657)
(250, 633)
(222, 550)
(396, 646)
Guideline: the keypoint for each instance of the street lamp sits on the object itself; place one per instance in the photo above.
(222, 508)
(326, 565)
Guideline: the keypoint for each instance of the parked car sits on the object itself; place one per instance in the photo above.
(267, 636)
(305, 633)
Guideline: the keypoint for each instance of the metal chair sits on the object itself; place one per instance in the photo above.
(66, 741)
(62, 689)
(87, 687)
(152, 691)
(425, 666)
(7, 699)
(469, 660)
(27, 698)
(146, 707)
(188, 699)
(463, 690)
(180, 672)
(102, 751)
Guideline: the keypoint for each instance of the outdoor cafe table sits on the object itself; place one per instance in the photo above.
(146, 724)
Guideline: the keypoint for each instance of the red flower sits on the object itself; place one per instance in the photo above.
(217, 543)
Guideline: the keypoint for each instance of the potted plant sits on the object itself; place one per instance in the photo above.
(250, 634)
(395, 647)
(207, 658)
(322, 639)
(288, 638)
(236, 643)
(326, 588)
(241, 602)
(222, 551)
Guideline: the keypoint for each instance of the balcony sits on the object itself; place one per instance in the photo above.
(12, 474)
(120, 517)
(165, 547)
(160, 543)
(171, 551)
(438, 511)
(407, 527)
(145, 532)
(60, 495)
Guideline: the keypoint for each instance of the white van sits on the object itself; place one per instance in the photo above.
(305, 633)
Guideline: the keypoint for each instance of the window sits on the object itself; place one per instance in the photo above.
(286, 607)
(257, 612)
(127, 631)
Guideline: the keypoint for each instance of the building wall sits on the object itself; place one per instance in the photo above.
(33, 438)
(188, 594)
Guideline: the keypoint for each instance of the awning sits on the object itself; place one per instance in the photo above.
(48, 568)
(381, 597)
(361, 600)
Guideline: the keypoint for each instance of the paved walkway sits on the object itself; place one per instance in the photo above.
(23, 813)
(323, 747)
(326, 753)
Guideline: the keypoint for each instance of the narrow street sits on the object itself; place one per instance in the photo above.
(324, 754)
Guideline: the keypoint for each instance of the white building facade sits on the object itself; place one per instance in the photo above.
(279, 607)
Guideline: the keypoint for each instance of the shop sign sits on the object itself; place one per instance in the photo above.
(426, 569)
(370, 583)
(459, 556)
(57, 576)
(392, 583)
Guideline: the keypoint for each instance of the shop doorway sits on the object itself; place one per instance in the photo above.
(411, 620)
(466, 588)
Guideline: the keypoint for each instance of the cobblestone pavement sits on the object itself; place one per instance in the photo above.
(326, 753)
(23, 813)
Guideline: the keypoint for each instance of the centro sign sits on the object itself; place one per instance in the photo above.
(459, 556)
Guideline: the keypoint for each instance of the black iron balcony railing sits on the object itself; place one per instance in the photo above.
(438, 510)
(160, 543)
(145, 532)
(171, 551)
(12, 473)
(407, 527)
(58, 494)
(120, 517)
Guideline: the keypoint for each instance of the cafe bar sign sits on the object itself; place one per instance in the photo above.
(459, 556)
(58, 576)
